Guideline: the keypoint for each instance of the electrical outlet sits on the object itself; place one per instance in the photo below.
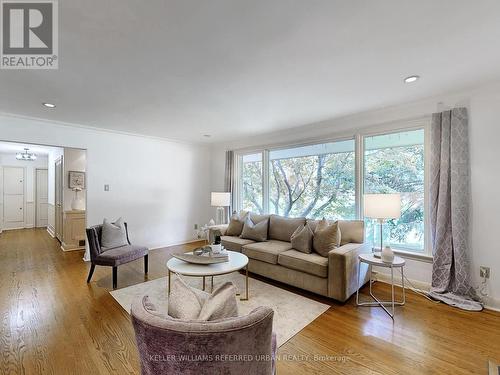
(484, 272)
(106, 187)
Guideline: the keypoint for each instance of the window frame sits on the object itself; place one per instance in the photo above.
(359, 140)
(426, 252)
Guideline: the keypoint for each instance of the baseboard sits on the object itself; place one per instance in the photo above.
(416, 284)
(6, 229)
(490, 302)
(29, 226)
(51, 231)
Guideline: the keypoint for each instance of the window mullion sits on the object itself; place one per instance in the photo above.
(265, 181)
(359, 162)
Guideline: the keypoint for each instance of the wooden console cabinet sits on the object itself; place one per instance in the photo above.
(73, 230)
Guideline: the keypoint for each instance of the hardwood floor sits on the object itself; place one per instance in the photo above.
(52, 322)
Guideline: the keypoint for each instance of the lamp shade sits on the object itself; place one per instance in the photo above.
(221, 199)
(382, 206)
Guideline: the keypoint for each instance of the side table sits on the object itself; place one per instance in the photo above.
(398, 262)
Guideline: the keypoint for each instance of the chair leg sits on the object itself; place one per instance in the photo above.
(91, 272)
(115, 277)
(146, 263)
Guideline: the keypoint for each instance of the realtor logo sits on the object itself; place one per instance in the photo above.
(29, 34)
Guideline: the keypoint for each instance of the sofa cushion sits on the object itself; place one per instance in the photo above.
(281, 228)
(255, 231)
(257, 218)
(121, 255)
(234, 243)
(326, 237)
(353, 231)
(266, 251)
(302, 239)
(313, 263)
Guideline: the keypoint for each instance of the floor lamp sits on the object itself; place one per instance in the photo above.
(220, 200)
(382, 207)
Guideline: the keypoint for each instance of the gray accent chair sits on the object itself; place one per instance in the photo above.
(115, 256)
(241, 345)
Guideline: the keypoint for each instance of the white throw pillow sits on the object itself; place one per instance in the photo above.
(220, 304)
(113, 234)
(185, 302)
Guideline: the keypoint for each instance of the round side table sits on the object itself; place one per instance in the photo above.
(371, 260)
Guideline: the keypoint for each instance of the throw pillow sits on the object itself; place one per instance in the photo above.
(235, 225)
(220, 304)
(185, 302)
(326, 237)
(302, 239)
(256, 232)
(113, 234)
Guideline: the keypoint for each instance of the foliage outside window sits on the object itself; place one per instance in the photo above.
(313, 181)
(319, 181)
(394, 163)
(251, 183)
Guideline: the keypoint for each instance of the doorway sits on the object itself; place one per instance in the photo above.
(41, 198)
(59, 198)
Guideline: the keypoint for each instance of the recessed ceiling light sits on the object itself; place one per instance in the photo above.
(49, 105)
(411, 79)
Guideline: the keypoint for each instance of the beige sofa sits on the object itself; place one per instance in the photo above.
(334, 276)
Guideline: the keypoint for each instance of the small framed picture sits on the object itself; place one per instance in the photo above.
(76, 180)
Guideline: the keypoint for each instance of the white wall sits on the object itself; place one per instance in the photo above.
(74, 160)
(29, 183)
(160, 187)
(484, 111)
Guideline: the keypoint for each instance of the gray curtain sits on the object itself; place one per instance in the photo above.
(449, 216)
(229, 180)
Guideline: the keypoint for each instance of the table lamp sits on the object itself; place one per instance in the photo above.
(382, 207)
(220, 200)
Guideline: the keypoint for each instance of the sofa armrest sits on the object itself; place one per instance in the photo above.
(343, 266)
(216, 229)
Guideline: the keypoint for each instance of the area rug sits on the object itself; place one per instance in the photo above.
(292, 312)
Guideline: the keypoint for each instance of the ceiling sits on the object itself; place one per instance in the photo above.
(13, 148)
(235, 68)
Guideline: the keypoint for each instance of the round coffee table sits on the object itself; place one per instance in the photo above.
(237, 261)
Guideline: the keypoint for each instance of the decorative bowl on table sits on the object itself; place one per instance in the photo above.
(203, 255)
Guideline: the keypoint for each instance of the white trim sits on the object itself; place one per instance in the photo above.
(490, 304)
(386, 278)
(91, 128)
(335, 136)
(426, 251)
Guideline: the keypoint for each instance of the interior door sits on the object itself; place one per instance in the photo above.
(13, 197)
(42, 198)
(59, 198)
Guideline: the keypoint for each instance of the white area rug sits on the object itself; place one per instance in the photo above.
(292, 312)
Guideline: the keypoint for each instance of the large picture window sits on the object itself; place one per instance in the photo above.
(322, 180)
(313, 181)
(394, 163)
(251, 183)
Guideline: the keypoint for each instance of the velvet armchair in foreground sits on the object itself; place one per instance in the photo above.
(113, 257)
(240, 345)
